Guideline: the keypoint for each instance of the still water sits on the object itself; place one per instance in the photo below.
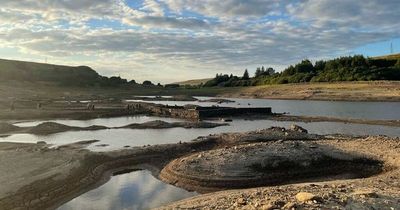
(118, 138)
(339, 109)
(109, 122)
(136, 190)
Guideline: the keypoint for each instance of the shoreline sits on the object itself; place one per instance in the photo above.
(377, 91)
(28, 115)
(374, 91)
(96, 168)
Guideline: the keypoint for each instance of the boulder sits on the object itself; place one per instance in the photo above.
(305, 196)
(297, 128)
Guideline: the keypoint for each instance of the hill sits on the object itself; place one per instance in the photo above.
(12, 70)
(193, 82)
(352, 68)
(389, 57)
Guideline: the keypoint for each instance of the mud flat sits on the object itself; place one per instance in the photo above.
(107, 109)
(163, 98)
(39, 177)
(51, 127)
(336, 91)
(262, 164)
(379, 188)
(392, 123)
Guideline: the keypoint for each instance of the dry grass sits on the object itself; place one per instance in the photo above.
(389, 57)
(352, 91)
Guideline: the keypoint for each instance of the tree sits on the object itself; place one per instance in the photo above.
(397, 65)
(246, 75)
(270, 71)
(304, 67)
(258, 73)
(147, 83)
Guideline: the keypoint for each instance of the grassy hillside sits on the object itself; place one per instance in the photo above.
(11, 70)
(389, 57)
(193, 82)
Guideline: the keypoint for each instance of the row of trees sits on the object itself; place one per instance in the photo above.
(351, 68)
(226, 80)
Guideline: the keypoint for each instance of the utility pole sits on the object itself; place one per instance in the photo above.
(391, 47)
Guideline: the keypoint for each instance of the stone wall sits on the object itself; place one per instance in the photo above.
(190, 112)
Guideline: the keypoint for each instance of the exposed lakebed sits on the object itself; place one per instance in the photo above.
(139, 190)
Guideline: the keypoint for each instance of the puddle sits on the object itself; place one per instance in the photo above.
(137, 190)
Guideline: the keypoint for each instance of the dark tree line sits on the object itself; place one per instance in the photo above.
(351, 68)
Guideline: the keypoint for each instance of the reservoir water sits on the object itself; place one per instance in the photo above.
(136, 190)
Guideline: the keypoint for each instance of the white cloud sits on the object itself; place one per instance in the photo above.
(226, 8)
(369, 15)
(161, 38)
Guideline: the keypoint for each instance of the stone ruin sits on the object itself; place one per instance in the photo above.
(196, 112)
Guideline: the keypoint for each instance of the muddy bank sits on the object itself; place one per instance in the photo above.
(381, 191)
(79, 111)
(336, 91)
(51, 127)
(218, 100)
(73, 170)
(46, 178)
(263, 164)
(163, 98)
(281, 117)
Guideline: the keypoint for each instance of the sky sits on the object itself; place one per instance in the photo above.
(174, 40)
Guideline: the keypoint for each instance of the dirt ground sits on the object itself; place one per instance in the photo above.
(381, 191)
(43, 178)
(341, 91)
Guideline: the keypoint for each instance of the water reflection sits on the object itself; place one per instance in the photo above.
(109, 122)
(346, 109)
(136, 190)
(118, 138)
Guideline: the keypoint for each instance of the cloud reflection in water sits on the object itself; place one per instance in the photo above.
(136, 190)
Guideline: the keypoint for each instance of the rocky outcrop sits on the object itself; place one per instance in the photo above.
(261, 164)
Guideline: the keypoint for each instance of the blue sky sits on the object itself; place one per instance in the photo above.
(173, 40)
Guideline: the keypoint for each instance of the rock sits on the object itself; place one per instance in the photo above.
(102, 145)
(305, 196)
(241, 201)
(365, 193)
(289, 206)
(268, 207)
(297, 128)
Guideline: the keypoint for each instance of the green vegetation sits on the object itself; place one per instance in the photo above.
(353, 68)
(61, 75)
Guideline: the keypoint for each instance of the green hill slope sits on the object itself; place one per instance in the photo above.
(11, 70)
(193, 82)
